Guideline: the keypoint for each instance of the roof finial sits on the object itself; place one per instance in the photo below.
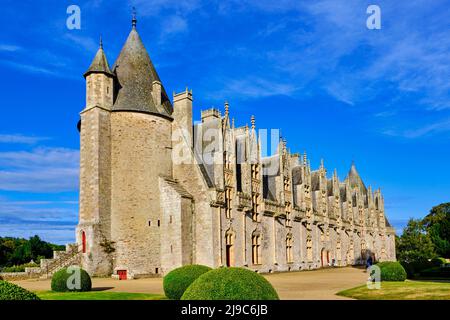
(101, 42)
(227, 108)
(134, 20)
(253, 122)
(305, 157)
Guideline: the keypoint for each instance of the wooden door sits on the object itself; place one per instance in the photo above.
(228, 255)
(83, 241)
(122, 274)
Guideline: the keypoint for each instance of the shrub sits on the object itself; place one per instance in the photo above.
(59, 281)
(230, 284)
(414, 268)
(438, 261)
(436, 272)
(10, 291)
(178, 280)
(20, 268)
(392, 271)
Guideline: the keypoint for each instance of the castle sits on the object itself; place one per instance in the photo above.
(158, 192)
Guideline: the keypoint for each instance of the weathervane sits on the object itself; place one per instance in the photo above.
(134, 20)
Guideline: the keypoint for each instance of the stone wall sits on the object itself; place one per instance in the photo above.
(140, 154)
(95, 187)
(176, 225)
(190, 177)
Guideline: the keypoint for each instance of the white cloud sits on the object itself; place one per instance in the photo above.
(52, 220)
(58, 234)
(40, 170)
(154, 7)
(41, 211)
(85, 43)
(9, 48)
(173, 25)
(19, 138)
(410, 51)
(252, 87)
(28, 67)
(434, 128)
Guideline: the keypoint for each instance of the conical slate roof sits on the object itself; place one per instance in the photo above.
(355, 180)
(99, 64)
(135, 75)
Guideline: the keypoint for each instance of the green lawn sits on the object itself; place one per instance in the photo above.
(97, 295)
(408, 290)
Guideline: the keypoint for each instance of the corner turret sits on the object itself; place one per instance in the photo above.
(99, 82)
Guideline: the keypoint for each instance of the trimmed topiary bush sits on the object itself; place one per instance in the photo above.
(60, 279)
(178, 280)
(10, 291)
(392, 271)
(230, 284)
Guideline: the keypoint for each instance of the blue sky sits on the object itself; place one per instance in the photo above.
(336, 89)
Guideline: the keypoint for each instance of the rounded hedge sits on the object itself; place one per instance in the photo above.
(10, 291)
(392, 271)
(230, 284)
(60, 280)
(178, 280)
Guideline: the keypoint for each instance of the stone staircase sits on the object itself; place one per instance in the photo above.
(71, 256)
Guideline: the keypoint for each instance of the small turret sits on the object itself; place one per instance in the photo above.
(99, 81)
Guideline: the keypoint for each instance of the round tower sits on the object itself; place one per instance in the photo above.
(141, 146)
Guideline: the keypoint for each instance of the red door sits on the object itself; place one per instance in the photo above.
(122, 274)
(83, 241)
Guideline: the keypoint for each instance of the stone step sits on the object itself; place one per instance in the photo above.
(61, 259)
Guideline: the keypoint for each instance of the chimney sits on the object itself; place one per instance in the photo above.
(182, 113)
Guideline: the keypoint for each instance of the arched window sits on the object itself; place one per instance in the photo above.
(83, 241)
(289, 254)
(256, 249)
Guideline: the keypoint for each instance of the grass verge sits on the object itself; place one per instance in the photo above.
(408, 290)
(97, 295)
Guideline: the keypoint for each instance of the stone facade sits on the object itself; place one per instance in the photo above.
(158, 191)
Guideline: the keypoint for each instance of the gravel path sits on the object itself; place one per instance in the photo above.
(319, 284)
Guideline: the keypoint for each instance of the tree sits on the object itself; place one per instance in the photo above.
(415, 243)
(437, 224)
(36, 247)
(16, 251)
